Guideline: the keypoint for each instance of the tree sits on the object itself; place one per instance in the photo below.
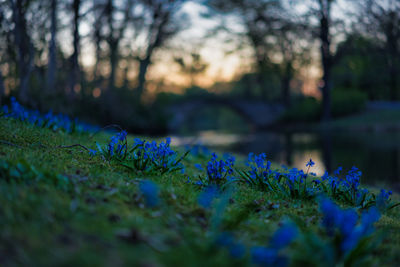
(274, 35)
(2, 88)
(160, 26)
(23, 44)
(321, 10)
(192, 66)
(74, 59)
(52, 62)
(111, 30)
(380, 19)
(324, 15)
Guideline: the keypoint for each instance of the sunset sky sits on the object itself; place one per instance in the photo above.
(222, 66)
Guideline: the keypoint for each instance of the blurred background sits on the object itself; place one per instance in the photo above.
(294, 79)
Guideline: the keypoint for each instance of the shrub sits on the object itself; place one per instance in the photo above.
(346, 102)
(307, 110)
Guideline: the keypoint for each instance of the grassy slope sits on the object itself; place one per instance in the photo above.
(102, 221)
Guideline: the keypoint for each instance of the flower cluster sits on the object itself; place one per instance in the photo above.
(347, 189)
(343, 224)
(218, 171)
(384, 202)
(49, 120)
(260, 174)
(116, 147)
(287, 182)
(149, 156)
(226, 240)
(272, 254)
(150, 192)
(207, 196)
(143, 156)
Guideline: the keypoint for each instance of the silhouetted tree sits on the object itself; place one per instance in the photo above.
(271, 31)
(193, 65)
(381, 20)
(24, 46)
(160, 26)
(75, 68)
(323, 13)
(2, 88)
(52, 62)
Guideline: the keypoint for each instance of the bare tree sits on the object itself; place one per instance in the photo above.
(381, 20)
(23, 43)
(271, 30)
(192, 65)
(75, 69)
(324, 15)
(160, 28)
(52, 62)
(2, 88)
(321, 10)
(112, 31)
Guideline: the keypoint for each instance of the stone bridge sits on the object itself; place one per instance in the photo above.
(259, 114)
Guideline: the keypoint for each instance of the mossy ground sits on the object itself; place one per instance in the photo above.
(102, 220)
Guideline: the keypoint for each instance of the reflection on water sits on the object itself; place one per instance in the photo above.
(377, 155)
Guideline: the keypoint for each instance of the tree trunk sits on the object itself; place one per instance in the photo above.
(52, 64)
(25, 49)
(326, 65)
(113, 63)
(2, 88)
(143, 66)
(285, 83)
(75, 70)
(393, 81)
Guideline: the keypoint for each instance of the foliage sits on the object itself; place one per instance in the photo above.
(49, 120)
(112, 211)
(150, 192)
(294, 183)
(290, 183)
(22, 172)
(308, 109)
(144, 156)
(218, 172)
(344, 102)
(347, 102)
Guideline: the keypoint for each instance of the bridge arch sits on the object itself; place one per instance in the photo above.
(257, 113)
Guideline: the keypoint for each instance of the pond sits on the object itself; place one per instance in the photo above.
(376, 154)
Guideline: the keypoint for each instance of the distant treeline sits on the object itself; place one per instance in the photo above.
(43, 45)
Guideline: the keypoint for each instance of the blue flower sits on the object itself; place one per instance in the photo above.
(264, 256)
(217, 170)
(48, 120)
(284, 236)
(150, 192)
(310, 163)
(199, 167)
(337, 171)
(92, 152)
(226, 240)
(344, 222)
(207, 196)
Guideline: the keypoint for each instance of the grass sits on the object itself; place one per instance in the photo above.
(102, 220)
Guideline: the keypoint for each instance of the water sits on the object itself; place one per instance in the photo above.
(376, 154)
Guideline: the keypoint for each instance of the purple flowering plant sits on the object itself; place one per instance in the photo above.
(218, 171)
(143, 156)
(348, 190)
(291, 183)
(55, 122)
